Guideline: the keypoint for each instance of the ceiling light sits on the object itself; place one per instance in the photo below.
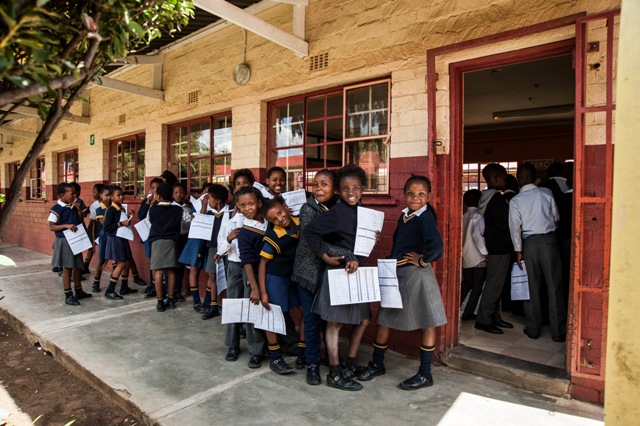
(533, 112)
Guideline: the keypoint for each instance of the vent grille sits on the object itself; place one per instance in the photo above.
(193, 97)
(319, 62)
(122, 119)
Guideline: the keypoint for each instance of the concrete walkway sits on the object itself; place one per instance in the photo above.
(170, 367)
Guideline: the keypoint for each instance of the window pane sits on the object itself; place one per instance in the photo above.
(287, 126)
(334, 129)
(141, 149)
(371, 155)
(334, 104)
(315, 156)
(139, 180)
(179, 139)
(200, 139)
(367, 110)
(315, 107)
(222, 136)
(291, 160)
(222, 166)
(334, 156)
(315, 132)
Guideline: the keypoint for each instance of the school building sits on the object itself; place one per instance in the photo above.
(439, 88)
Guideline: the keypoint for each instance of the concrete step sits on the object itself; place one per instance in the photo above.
(516, 372)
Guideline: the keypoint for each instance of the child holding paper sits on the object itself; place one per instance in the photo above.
(150, 290)
(94, 224)
(105, 202)
(165, 219)
(274, 274)
(178, 197)
(338, 226)
(117, 249)
(416, 243)
(64, 215)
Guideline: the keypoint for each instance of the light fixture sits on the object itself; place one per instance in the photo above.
(533, 112)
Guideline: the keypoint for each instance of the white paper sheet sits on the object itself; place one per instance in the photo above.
(192, 199)
(263, 190)
(295, 200)
(519, 283)
(143, 227)
(78, 241)
(124, 231)
(125, 207)
(242, 310)
(221, 276)
(361, 286)
(389, 285)
(201, 226)
(197, 205)
(369, 221)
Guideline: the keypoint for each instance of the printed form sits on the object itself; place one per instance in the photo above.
(369, 222)
(361, 286)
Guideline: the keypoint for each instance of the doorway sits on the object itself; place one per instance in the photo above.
(513, 112)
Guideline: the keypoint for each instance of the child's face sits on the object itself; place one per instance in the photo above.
(117, 197)
(104, 196)
(323, 188)
(240, 182)
(95, 194)
(68, 196)
(214, 202)
(276, 182)
(279, 215)
(153, 187)
(351, 190)
(179, 194)
(417, 195)
(249, 206)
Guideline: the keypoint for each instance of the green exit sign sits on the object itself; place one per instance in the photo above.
(92, 140)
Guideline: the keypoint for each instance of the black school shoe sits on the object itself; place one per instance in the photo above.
(70, 300)
(171, 304)
(161, 306)
(81, 294)
(343, 383)
(255, 361)
(416, 382)
(95, 288)
(313, 374)
(127, 290)
(372, 371)
(139, 281)
(113, 296)
(212, 312)
(280, 366)
(301, 363)
(232, 355)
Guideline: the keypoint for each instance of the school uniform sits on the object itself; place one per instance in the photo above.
(280, 248)
(117, 248)
(474, 265)
(143, 213)
(102, 236)
(94, 224)
(165, 221)
(422, 305)
(196, 252)
(212, 245)
(64, 214)
(337, 226)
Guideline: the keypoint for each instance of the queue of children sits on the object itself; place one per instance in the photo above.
(273, 257)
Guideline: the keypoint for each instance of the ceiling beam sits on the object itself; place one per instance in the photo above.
(234, 14)
(295, 2)
(18, 133)
(123, 86)
(33, 112)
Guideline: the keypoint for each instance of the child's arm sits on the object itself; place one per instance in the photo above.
(477, 233)
(315, 231)
(433, 245)
(54, 227)
(262, 279)
(248, 256)
(254, 296)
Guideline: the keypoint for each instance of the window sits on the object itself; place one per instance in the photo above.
(200, 155)
(12, 170)
(331, 128)
(127, 164)
(68, 166)
(472, 174)
(37, 180)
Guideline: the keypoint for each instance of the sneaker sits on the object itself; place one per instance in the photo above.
(416, 382)
(95, 288)
(140, 282)
(280, 366)
(372, 371)
(255, 361)
(128, 290)
(70, 300)
(313, 374)
(232, 355)
(197, 307)
(343, 383)
(81, 294)
(211, 313)
(301, 363)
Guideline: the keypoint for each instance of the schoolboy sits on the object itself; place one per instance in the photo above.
(474, 254)
(62, 216)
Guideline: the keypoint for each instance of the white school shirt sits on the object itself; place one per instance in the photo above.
(473, 247)
(224, 247)
(52, 216)
(92, 209)
(532, 212)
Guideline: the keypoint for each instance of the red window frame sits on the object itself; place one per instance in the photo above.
(64, 171)
(37, 180)
(119, 165)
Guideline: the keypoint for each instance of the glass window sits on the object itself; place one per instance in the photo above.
(12, 170)
(472, 174)
(321, 130)
(37, 189)
(200, 151)
(127, 164)
(68, 166)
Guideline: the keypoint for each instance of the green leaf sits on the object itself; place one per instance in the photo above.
(136, 28)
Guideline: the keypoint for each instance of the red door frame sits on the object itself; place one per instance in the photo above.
(444, 169)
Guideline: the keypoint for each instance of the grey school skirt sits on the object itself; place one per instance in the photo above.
(211, 267)
(164, 254)
(63, 257)
(343, 314)
(422, 305)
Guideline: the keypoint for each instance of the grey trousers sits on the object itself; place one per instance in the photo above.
(238, 289)
(472, 282)
(542, 259)
(497, 268)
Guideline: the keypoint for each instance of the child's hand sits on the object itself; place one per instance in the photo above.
(216, 257)
(265, 301)
(233, 235)
(131, 212)
(352, 266)
(519, 259)
(413, 258)
(126, 222)
(75, 228)
(332, 260)
(254, 296)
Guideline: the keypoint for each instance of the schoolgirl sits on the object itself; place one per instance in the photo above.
(276, 181)
(150, 290)
(117, 249)
(416, 243)
(178, 196)
(94, 225)
(339, 225)
(105, 202)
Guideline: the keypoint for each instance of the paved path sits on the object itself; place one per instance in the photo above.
(170, 366)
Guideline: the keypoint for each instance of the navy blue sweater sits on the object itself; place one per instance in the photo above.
(165, 222)
(417, 234)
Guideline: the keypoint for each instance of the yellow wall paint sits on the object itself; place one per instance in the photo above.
(622, 385)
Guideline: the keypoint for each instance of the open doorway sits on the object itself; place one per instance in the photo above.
(515, 113)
